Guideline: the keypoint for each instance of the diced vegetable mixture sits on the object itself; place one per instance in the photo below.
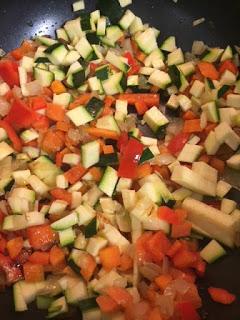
(113, 150)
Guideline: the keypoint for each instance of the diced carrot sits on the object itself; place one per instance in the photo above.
(17, 53)
(163, 171)
(74, 174)
(58, 87)
(96, 173)
(108, 149)
(81, 100)
(55, 112)
(37, 103)
(184, 259)
(26, 47)
(218, 164)
(189, 115)
(151, 99)
(210, 127)
(102, 133)
(47, 92)
(126, 263)
(142, 252)
(120, 295)
(41, 237)
(163, 281)
(107, 111)
(182, 214)
(175, 247)
(200, 267)
(107, 304)
(60, 155)
(191, 126)
(221, 295)
(63, 126)
(141, 107)
(208, 70)
(14, 246)
(155, 314)
(42, 124)
(110, 257)
(143, 170)
(181, 230)
(141, 56)
(51, 142)
(204, 158)
(157, 246)
(109, 101)
(88, 265)
(57, 257)
(39, 257)
(61, 194)
(33, 272)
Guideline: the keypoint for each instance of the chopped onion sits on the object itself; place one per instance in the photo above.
(17, 92)
(198, 21)
(2, 52)
(203, 120)
(150, 271)
(181, 286)
(4, 107)
(142, 288)
(175, 126)
(127, 46)
(163, 159)
(33, 88)
(198, 47)
(165, 265)
(166, 305)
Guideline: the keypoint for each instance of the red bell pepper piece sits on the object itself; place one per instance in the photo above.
(122, 141)
(20, 115)
(129, 159)
(221, 295)
(38, 103)
(9, 72)
(41, 237)
(228, 65)
(184, 259)
(158, 245)
(178, 142)
(13, 274)
(187, 311)
(134, 66)
(17, 144)
(168, 215)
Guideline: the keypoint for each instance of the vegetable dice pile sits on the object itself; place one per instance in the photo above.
(94, 213)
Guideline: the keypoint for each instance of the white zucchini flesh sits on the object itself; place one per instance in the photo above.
(212, 251)
(206, 171)
(193, 181)
(218, 225)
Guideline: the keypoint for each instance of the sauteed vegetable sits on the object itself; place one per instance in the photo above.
(113, 149)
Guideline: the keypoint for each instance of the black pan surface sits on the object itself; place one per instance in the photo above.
(26, 18)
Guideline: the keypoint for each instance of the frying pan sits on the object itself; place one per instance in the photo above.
(26, 18)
